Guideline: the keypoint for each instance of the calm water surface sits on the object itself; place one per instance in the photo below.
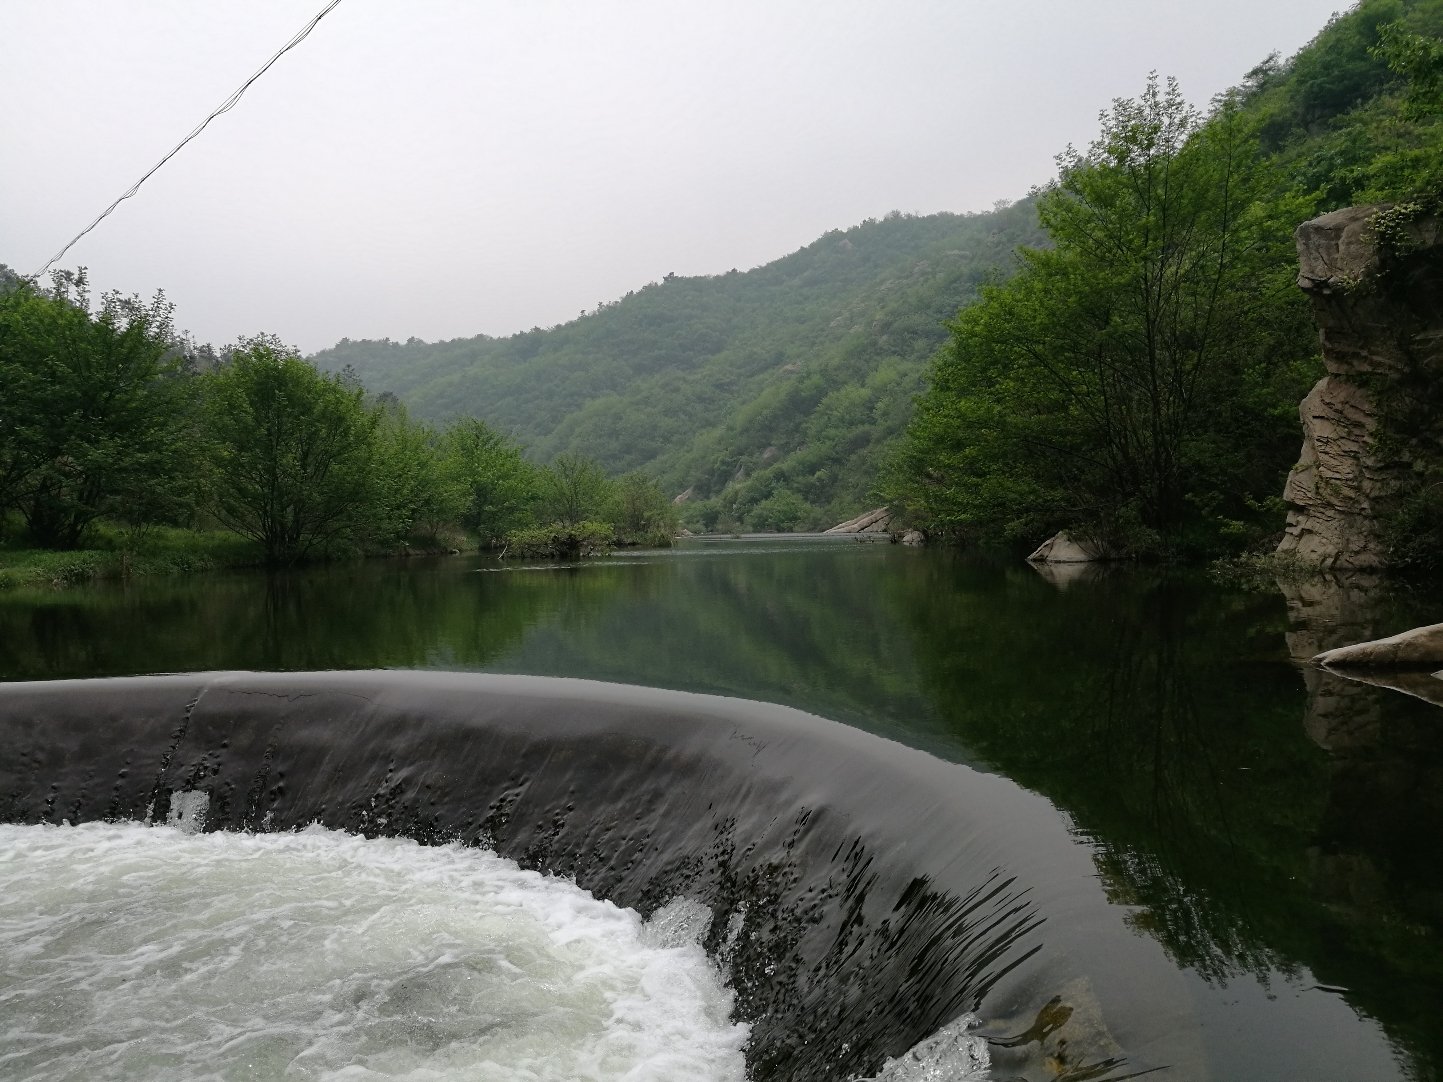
(1276, 830)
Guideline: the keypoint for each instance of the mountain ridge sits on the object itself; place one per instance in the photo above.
(766, 394)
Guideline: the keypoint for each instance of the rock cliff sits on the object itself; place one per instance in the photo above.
(1379, 310)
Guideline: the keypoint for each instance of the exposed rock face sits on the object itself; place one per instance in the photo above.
(878, 521)
(1062, 549)
(1374, 329)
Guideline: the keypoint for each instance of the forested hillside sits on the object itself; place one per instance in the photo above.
(1133, 372)
(1137, 381)
(769, 395)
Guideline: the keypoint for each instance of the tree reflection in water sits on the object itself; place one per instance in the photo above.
(1252, 838)
(1259, 817)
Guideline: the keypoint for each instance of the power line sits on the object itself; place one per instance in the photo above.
(225, 107)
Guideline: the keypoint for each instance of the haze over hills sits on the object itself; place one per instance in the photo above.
(768, 395)
(770, 399)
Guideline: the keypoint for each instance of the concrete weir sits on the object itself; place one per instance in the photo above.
(863, 894)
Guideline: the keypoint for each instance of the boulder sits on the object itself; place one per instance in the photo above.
(1062, 549)
(876, 521)
(1420, 648)
(913, 537)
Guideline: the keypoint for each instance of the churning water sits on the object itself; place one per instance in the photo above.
(136, 952)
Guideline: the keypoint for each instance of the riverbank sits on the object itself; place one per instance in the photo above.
(116, 555)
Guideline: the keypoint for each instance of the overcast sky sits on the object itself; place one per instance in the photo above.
(443, 168)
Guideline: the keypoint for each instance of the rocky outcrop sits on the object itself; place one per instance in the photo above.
(1420, 648)
(1063, 549)
(1379, 319)
(878, 521)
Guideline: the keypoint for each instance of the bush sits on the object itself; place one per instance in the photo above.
(560, 541)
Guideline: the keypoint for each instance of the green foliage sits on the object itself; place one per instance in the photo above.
(1419, 60)
(781, 511)
(725, 385)
(560, 541)
(1126, 382)
(572, 490)
(1353, 118)
(296, 454)
(95, 419)
(409, 496)
(1136, 379)
(125, 554)
(1410, 403)
(640, 513)
(799, 377)
(489, 487)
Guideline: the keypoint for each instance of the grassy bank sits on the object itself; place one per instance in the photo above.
(122, 555)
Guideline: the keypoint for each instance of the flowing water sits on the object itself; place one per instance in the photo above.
(133, 952)
(1222, 860)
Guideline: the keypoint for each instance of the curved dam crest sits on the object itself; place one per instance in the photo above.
(863, 894)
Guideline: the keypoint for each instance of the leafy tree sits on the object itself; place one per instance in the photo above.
(1418, 59)
(408, 477)
(572, 490)
(1127, 381)
(295, 451)
(640, 511)
(488, 485)
(1413, 167)
(778, 512)
(95, 415)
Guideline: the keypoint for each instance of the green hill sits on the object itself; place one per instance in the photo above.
(1137, 382)
(771, 398)
(767, 395)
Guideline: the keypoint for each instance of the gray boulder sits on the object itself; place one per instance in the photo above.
(1420, 648)
(876, 521)
(1062, 549)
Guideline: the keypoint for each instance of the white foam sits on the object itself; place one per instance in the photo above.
(949, 1055)
(135, 952)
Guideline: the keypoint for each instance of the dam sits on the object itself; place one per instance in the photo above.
(859, 895)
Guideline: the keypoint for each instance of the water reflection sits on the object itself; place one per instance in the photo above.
(1270, 824)
(1267, 821)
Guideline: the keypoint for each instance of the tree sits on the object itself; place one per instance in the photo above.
(640, 511)
(95, 416)
(1136, 379)
(295, 451)
(490, 488)
(407, 477)
(781, 511)
(573, 490)
(1412, 169)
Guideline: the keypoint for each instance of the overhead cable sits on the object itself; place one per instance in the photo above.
(225, 107)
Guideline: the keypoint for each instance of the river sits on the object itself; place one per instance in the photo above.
(1272, 829)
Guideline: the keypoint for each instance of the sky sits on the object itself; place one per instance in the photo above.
(446, 168)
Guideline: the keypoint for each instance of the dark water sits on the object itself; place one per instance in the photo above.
(1273, 830)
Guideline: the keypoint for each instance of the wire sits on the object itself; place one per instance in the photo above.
(225, 107)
